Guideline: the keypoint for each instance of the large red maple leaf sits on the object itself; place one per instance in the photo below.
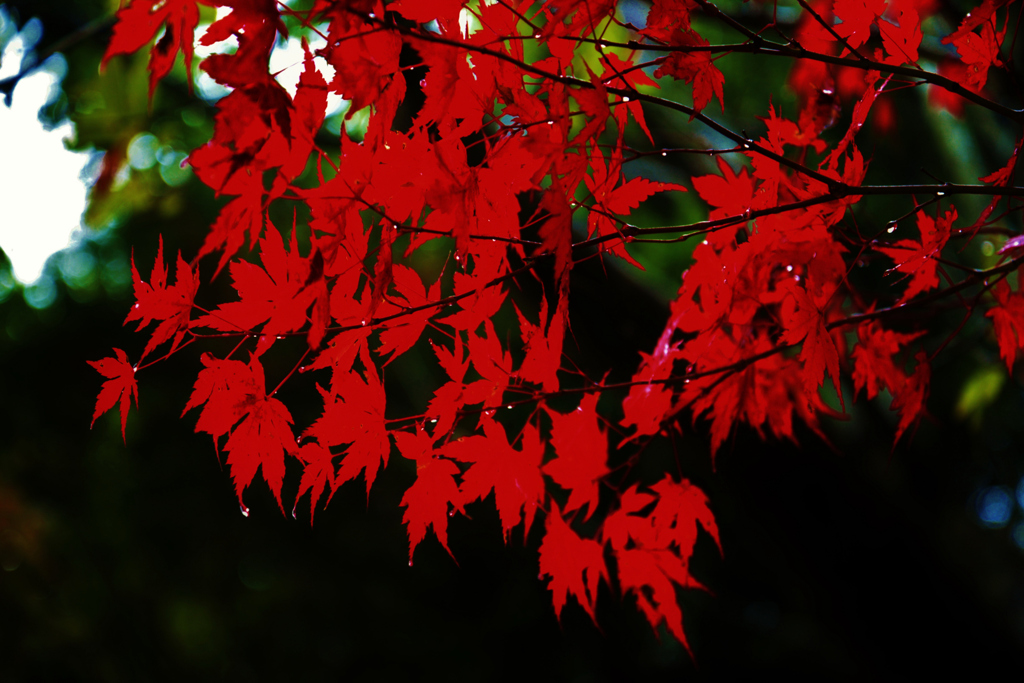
(354, 415)
(234, 393)
(277, 296)
(513, 475)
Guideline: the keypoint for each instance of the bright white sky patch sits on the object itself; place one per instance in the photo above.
(42, 194)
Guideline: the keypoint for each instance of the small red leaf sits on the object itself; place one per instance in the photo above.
(140, 21)
(119, 387)
(155, 300)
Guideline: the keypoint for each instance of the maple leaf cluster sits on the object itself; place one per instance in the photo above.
(517, 162)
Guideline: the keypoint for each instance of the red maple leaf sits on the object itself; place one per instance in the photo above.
(171, 305)
(255, 24)
(804, 321)
(696, 68)
(909, 399)
(399, 337)
(978, 52)
(574, 564)
(1008, 320)
(858, 16)
(493, 363)
(261, 440)
(543, 350)
(235, 393)
(140, 21)
(318, 471)
(617, 200)
(426, 501)
(975, 18)
(451, 396)
(582, 449)
(277, 296)
(354, 415)
(874, 368)
(653, 550)
(917, 259)
(902, 37)
(730, 193)
(513, 475)
(119, 387)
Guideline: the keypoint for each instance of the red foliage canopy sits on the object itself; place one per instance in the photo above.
(517, 160)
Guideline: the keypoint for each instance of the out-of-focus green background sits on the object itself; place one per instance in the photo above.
(132, 562)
